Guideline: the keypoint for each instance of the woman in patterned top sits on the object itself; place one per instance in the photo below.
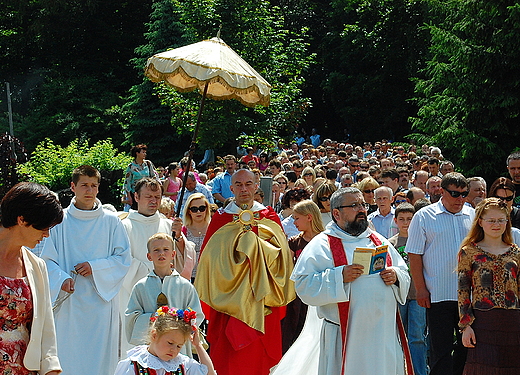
(27, 335)
(488, 273)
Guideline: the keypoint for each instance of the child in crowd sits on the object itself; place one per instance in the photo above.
(169, 331)
(163, 286)
(167, 208)
(413, 315)
(172, 184)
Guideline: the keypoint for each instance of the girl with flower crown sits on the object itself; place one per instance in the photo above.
(170, 329)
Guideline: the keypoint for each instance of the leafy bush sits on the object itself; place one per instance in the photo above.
(52, 165)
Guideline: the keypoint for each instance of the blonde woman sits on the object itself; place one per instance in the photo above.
(307, 219)
(368, 186)
(489, 295)
(309, 175)
(301, 184)
(197, 215)
(321, 197)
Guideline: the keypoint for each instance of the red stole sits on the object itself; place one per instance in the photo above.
(340, 259)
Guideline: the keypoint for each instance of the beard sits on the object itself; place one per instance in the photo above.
(358, 226)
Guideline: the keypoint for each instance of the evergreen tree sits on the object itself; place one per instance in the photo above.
(470, 98)
(149, 121)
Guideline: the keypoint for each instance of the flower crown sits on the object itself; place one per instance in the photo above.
(188, 316)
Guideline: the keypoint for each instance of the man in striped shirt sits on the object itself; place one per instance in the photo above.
(434, 238)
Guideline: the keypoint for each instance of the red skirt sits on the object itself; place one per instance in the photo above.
(497, 351)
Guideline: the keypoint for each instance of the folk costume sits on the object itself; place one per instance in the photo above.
(143, 303)
(365, 330)
(243, 277)
(141, 361)
(87, 323)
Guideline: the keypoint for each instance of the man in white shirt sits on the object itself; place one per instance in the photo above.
(434, 238)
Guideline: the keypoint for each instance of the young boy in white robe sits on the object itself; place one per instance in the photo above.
(88, 256)
(163, 281)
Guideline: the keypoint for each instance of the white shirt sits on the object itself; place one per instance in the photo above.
(436, 234)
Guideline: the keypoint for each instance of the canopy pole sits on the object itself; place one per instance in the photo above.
(191, 151)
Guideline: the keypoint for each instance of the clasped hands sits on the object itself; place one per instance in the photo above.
(84, 269)
(353, 271)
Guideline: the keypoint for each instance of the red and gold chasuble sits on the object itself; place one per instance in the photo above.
(243, 279)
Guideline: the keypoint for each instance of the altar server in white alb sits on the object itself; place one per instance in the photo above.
(87, 256)
(356, 310)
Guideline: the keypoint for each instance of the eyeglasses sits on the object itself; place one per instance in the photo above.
(369, 191)
(324, 199)
(195, 209)
(456, 194)
(356, 206)
(495, 221)
(507, 199)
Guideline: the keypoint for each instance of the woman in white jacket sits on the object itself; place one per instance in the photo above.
(27, 335)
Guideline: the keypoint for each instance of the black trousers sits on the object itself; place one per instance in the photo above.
(447, 354)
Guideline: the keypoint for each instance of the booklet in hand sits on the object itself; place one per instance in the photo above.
(373, 260)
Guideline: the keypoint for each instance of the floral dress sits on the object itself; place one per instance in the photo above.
(16, 313)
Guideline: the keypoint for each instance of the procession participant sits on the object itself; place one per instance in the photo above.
(357, 310)
(243, 277)
(27, 336)
(88, 256)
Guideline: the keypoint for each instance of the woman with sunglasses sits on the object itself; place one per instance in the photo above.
(504, 189)
(197, 215)
(322, 199)
(368, 186)
(398, 198)
(489, 295)
(309, 175)
(282, 181)
(263, 163)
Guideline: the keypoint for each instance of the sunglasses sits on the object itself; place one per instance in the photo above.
(369, 191)
(195, 209)
(507, 199)
(456, 194)
(400, 201)
(324, 199)
(307, 175)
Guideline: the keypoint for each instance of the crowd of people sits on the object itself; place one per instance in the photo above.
(369, 259)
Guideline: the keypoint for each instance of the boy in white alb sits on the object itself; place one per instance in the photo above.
(92, 243)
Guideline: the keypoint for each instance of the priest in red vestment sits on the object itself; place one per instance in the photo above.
(243, 279)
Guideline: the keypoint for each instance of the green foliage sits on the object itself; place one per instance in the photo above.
(52, 165)
(469, 98)
(149, 121)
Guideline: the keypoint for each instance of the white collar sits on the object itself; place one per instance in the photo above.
(141, 355)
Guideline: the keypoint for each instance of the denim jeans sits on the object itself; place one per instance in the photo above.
(414, 321)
